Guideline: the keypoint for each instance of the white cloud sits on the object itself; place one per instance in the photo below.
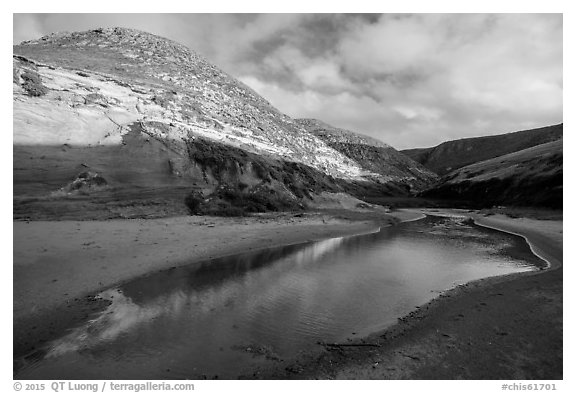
(392, 45)
(26, 27)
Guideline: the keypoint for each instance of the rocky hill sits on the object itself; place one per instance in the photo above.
(372, 155)
(451, 155)
(530, 177)
(121, 123)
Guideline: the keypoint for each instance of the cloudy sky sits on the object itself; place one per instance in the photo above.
(410, 80)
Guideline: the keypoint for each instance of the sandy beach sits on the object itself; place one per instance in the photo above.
(490, 328)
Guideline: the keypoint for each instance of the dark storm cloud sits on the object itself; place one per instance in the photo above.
(409, 80)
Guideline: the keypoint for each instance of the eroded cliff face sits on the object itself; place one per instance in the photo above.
(372, 155)
(129, 107)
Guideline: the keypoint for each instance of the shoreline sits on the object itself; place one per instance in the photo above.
(481, 221)
(435, 341)
(549, 263)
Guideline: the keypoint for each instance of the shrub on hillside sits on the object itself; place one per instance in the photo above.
(193, 202)
(229, 211)
(230, 201)
(33, 83)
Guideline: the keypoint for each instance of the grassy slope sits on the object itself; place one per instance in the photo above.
(531, 177)
(452, 155)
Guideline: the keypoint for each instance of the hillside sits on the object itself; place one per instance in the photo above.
(530, 177)
(371, 154)
(121, 123)
(455, 154)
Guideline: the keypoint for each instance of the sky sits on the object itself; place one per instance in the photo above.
(410, 80)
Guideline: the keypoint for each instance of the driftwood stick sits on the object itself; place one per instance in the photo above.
(349, 345)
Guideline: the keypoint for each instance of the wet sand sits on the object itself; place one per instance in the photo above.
(507, 327)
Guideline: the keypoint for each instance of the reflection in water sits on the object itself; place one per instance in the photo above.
(228, 316)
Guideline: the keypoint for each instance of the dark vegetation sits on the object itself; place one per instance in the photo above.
(251, 183)
(87, 181)
(33, 83)
(165, 99)
(452, 155)
(231, 202)
(537, 191)
(528, 178)
(193, 202)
